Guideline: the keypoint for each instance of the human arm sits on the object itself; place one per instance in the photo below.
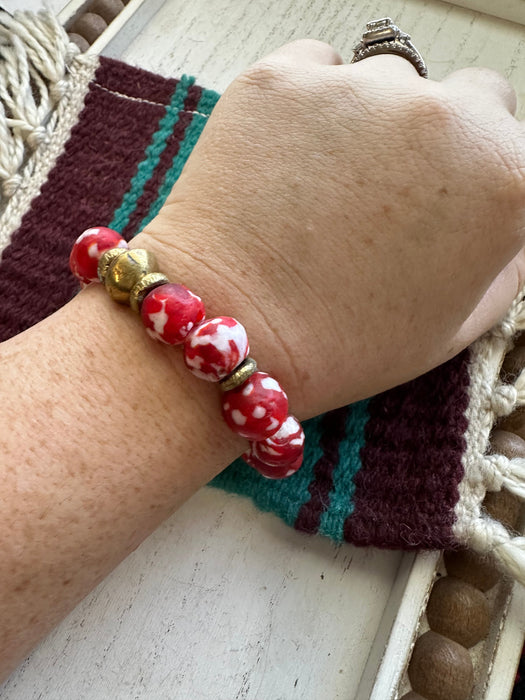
(281, 219)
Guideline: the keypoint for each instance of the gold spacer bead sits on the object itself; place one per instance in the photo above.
(239, 375)
(106, 259)
(126, 270)
(143, 287)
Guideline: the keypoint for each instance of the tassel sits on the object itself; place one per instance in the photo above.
(501, 472)
(43, 82)
(510, 556)
(36, 54)
(519, 385)
(489, 537)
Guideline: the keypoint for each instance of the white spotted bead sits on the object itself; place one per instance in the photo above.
(284, 447)
(215, 348)
(269, 471)
(262, 404)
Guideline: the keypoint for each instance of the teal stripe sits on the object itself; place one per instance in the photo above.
(153, 153)
(283, 497)
(342, 495)
(207, 102)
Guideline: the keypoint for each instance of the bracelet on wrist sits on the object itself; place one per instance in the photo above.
(217, 349)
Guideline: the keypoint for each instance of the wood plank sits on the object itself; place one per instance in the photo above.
(222, 602)
(511, 10)
(216, 40)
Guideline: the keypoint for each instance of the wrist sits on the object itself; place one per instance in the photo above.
(229, 283)
(159, 407)
(215, 348)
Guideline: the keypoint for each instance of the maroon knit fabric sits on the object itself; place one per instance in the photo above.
(414, 437)
(135, 82)
(100, 158)
(151, 188)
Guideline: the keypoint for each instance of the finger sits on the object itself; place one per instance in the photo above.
(494, 303)
(306, 51)
(482, 83)
(386, 65)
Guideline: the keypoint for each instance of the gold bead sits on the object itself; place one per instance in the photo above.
(143, 286)
(126, 270)
(239, 375)
(106, 259)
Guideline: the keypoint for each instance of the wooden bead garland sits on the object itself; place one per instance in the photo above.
(504, 507)
(253, 403)
(519, 340)
(471, 567)
(80, 41)
(107, 9)
(458, 611)
(90, 26)
(440, 669)
(515, 423)
(508, 444)
(86, 28)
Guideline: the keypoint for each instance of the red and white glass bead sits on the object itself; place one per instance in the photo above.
(170, 311)
(271, 472)
(256, 409)
(87, 250)
(284, 447)
(215, 348)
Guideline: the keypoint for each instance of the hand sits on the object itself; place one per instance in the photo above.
(365, 224)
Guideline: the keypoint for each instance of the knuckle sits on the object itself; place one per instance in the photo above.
(433, 108)
(264, 74)
(509, 169)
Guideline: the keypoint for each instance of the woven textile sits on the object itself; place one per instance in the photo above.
(405, 469)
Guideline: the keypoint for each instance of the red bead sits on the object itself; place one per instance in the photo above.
(270, 472)
(285, 447)
(256, 409)
(215, 348)
(87, 250)
(170, 311)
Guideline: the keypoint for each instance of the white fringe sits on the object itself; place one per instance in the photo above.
(520, 389)
(487, 536)
(490, 399)
(502, 472)
(35, 56)
(510, 556)
(43, 84)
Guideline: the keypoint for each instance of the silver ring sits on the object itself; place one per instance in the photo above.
(382, 36)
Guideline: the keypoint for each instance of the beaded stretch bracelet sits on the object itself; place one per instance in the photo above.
(253, 403)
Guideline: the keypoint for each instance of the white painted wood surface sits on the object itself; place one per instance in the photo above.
(33, 5)
(513, 10)
(215, 39)
(224, 602)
